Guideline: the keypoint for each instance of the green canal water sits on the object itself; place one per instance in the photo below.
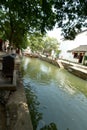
(57, 99)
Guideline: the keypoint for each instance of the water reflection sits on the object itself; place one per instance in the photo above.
(57, 99)
(73, 84)
(45, 73)
(45, 69)
(36, 116)
(33, 104)
(51, 126)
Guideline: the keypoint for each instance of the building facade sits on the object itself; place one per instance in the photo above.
(80, 54)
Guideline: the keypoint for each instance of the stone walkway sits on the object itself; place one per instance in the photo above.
(79, 67)
(14, 111)
(18, 112)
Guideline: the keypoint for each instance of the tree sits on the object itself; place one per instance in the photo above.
(38, 43)
(50, 44)
(12, 27)
(71, 16)
(35, 42)
(18, 17)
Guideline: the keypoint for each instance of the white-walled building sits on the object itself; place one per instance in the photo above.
(66, 45)
(79, 54)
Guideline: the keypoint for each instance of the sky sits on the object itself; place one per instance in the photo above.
(80, 39)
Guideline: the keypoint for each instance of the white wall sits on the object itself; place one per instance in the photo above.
(81, 39)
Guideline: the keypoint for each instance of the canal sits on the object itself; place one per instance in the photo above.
(57, 99)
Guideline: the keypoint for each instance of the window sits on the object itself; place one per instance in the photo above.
(75, 55)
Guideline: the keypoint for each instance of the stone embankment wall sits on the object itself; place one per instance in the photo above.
(78, 71)
(68, 66)
(54, 62)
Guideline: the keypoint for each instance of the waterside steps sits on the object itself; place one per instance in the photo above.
(60, 64)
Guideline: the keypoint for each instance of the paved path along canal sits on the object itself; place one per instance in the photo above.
(56, 96)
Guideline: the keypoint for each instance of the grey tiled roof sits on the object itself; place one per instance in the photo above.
(81, 48)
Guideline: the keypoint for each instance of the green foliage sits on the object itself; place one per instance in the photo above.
(71, 16)
(85, 58)
(39, 43)
(35, 41)
(18, 18)
(50, 44)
